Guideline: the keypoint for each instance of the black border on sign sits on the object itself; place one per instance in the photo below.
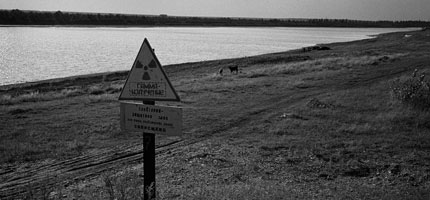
(162, 71)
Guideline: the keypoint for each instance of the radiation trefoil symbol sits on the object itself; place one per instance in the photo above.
(146, 76)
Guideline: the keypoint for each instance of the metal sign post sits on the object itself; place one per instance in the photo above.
(149, 166)
(148, 82)
(149, 162)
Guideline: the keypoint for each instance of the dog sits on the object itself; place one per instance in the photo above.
(234, 69)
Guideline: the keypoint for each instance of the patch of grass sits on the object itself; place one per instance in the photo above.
(69, 93)
(31, 97)
(412, 92)
(11, 151)
(364, 128)
(253, 189)
(5, 99)
(109, 185)
(405, 118)
(256, 75)
(114, 88)
(340, 140)
(322, 64)
(36, 96)
(124, 186)
(276, 59)
(96, 90)
(102, 98)
(28, 146)
(361, 134)
(66, 133)
(39, 191)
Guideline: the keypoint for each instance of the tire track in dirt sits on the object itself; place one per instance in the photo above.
(15, 182)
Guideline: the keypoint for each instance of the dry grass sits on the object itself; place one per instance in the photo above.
(36, 96)
(412, 92)
(355, 144)
(62, 135)
(322, 64)
(38, 142)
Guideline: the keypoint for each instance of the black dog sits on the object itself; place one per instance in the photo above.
(234, 69)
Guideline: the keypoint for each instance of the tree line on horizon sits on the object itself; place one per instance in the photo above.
(19, 17)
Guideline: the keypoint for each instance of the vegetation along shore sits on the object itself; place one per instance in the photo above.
(339, 121)
(32, 17)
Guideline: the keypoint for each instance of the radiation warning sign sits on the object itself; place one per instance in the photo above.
(147, 80)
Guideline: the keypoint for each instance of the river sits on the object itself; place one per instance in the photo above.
(38, 53)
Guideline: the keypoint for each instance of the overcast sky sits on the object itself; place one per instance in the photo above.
(344, 9)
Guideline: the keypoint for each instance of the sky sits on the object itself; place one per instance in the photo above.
(330, 9)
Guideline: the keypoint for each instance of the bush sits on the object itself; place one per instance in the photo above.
(96, 90)
(412, 91)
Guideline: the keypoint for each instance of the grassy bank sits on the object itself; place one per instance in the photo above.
(293, 125)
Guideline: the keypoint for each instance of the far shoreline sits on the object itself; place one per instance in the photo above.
(190, 26)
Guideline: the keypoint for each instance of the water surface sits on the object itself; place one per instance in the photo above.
(38, 53)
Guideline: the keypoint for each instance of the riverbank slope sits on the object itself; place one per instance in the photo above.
(300, 124)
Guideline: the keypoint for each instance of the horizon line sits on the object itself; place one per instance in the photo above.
(179, 16)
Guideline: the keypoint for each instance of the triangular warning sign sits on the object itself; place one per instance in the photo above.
(147, 80)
